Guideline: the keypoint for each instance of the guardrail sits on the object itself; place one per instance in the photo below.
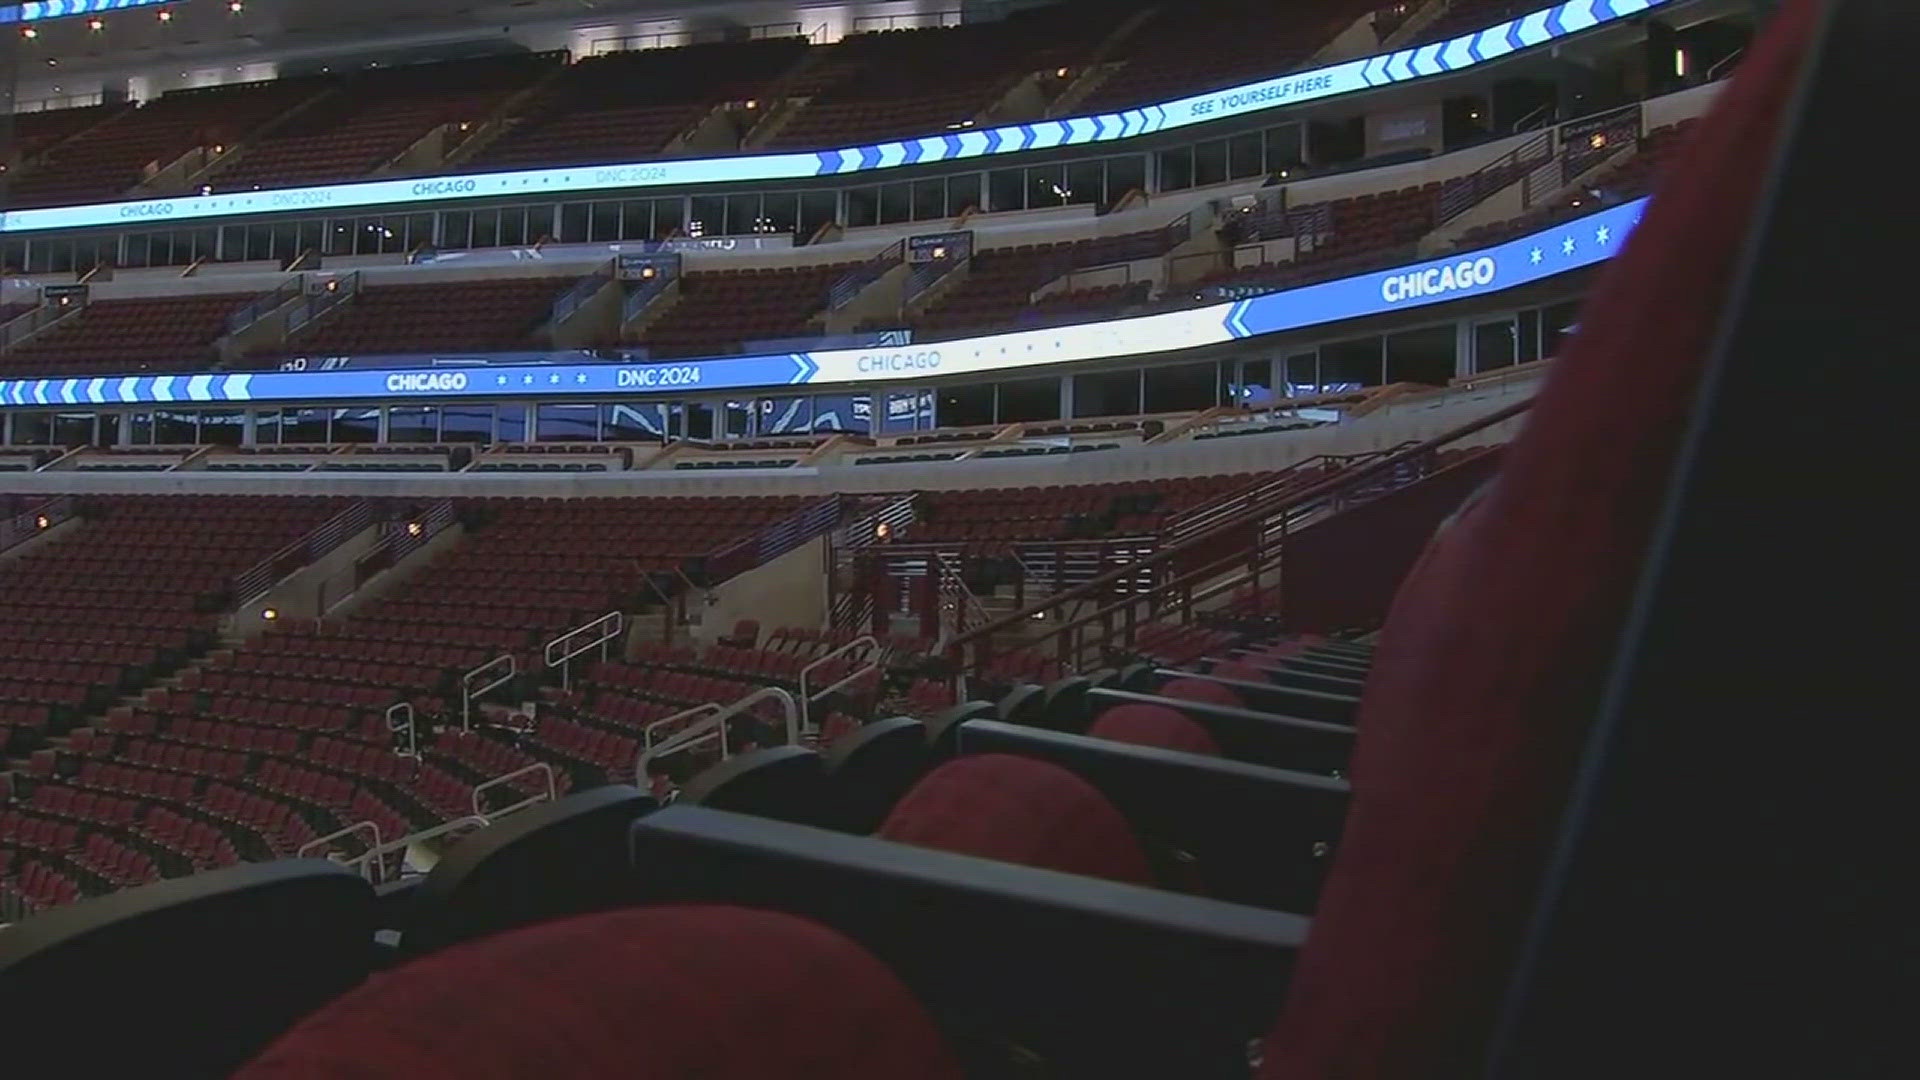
(256, 582)
(321, 843)
(484, 679)
(1461, 194)
(581, 292)
(538, 768)
(1238, 502)
(400, 721)
(16, 329)
(773, 541)
(1193, 561)
(25, 526)
(400, 540)
(865, 274)
(258, 308)
(373, 862)
(584, 638)
(713, 729)
(668, 272)
(873, 651)
(339, 290)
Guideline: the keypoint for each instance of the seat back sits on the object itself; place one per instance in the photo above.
(188, 977)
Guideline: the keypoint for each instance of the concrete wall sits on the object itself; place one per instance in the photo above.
(789, 591)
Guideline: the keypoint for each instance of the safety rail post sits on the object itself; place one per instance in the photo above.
(537, 768)
(358, 862)
(873, 654)
(600, 633)
(483, 680)
(400, 721)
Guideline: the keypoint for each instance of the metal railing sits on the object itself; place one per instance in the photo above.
(853, 281)
(851, 605)
(774, 541)
(344, 288)
(872, 653)
(584, 638)
(713, 728)
(17, 329)
(25, 526)
(373, 862)
(1255, 537)
(482, 680)
(261, 578)
(321, 843)
(649, 290)
(1237, 503)
(400, 721)
(581, 292)
(260, 307)
(685, 718)
(538, 768)
(1461, 194)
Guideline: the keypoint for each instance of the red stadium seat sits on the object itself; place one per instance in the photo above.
(1019, 810)
(664, 993)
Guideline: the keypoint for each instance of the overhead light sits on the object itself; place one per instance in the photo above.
(42, 522)
(413, 528)
(96, 24)
(269, 614)
(29, 33)
(236, 6)
(51, 62)
(165, 15)
(1060, 74)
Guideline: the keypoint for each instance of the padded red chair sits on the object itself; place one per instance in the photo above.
(1153, 725)
(1019, 810)
(1492, 657)
(662, 993)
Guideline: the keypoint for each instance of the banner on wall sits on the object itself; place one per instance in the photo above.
(1384, 69)
(1572, 245)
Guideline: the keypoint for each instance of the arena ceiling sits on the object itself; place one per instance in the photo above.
(196, 30)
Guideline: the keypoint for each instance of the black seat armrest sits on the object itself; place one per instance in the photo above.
(1098, 978)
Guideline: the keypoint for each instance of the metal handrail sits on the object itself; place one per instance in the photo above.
(376, 856)
(261, 577)
(1259, 513)
(868, 642)
(468, 691)
(29, 523)
(715, 726)
(1185, 598)
(404, 726)
(323, 841)
(1235, 504)
(646, 733)
(479, 808)
(560, 653)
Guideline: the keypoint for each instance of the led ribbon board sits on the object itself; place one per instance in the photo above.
(42, 10)
(1382, 70)
(1582, 242)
